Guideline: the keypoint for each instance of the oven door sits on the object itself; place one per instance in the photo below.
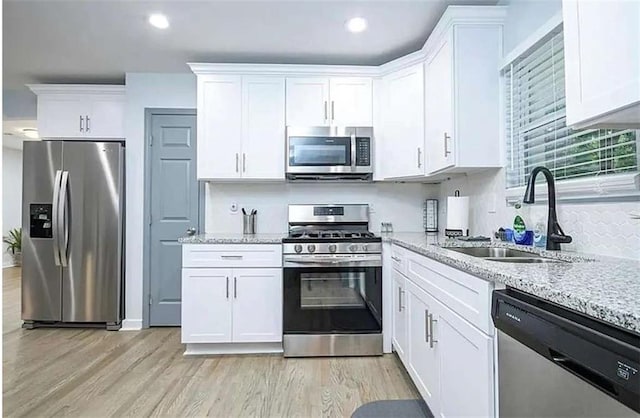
(333, 300)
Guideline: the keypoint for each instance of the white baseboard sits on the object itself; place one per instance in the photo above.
(7, 265)
(200, 349)
(131, 325)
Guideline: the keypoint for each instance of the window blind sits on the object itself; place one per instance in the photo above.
(536, 131)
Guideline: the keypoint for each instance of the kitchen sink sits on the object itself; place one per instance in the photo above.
(494, 252)
(525, 259)
(504, 255)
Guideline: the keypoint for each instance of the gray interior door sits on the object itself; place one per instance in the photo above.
(174, 210)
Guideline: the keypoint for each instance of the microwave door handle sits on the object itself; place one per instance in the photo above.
(353, 151)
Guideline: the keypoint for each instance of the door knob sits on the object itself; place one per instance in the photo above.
(191, 231)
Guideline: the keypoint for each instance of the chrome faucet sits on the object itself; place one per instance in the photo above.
(555, 234)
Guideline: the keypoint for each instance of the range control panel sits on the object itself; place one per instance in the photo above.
(40, 220)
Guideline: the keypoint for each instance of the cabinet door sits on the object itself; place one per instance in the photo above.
(404, 122)
(423, 359)
(219, 126)
(206, 305)
(466, 353)
(105, 118)
(307, 101)
(62, 115)
(596, 85)
(399, 316)
(263, 128)
(351, 101)
(439, 108)
(257, 305)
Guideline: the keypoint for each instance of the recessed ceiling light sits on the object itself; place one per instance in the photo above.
(159, 21)
(356, 24)
(30, 133)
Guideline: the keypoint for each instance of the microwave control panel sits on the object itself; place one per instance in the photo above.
(363, 151)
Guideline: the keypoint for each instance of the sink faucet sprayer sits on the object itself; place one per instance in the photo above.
(555, 234)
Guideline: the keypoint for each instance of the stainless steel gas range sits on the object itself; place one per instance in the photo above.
(332, 282)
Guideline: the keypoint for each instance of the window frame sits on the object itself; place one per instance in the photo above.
(625, 186)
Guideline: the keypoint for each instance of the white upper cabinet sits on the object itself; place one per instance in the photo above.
(602, 63)
(439, 108)
(403, 120)
(462, 111)
(351, 101)
(307, 101)
(219, 126)
(320, 101)
(263, 127)
(80, 111)
(241, 127)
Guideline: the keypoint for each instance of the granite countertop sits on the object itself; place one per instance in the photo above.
(226, 238)
(606, 288)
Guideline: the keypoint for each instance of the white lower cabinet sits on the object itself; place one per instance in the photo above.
(206, 307)
(231, 305)
(450, 360)
(399, 339)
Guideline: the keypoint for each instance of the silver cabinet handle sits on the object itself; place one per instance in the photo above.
(333, 110)
(191, 231)
(235, 287)
(432, 341)
(325, 110)
(395, 258)
(446, 146)
(227, 288)
(244, 162)
(54, 218)
(401, 293)
(63, 211)
(237, 159)
(231, 257)
(419, 157)
(426, 325)
(399, 299)
(88, 127)
(81, 124)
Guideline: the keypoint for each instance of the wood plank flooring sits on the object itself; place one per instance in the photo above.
(95, 373)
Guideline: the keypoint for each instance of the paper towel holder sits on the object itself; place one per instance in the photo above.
(453, 233)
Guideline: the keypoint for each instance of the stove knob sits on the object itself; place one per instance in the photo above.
(365, 248)
(353, 248)
(311, 248)
(298, 248)
(332, 248)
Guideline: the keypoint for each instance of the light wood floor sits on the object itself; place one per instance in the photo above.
(76, 372)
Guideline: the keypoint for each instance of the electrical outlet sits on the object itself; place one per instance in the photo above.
(371, 208)
(233, 208)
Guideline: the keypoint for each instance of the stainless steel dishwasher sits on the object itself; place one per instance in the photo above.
(554, 362)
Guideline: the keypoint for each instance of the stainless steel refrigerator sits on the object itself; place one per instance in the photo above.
(73, 228)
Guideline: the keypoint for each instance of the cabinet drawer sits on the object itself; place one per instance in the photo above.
(231, 255)
(467, 295)
(399, 259)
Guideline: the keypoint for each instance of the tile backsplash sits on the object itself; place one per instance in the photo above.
(596, 227)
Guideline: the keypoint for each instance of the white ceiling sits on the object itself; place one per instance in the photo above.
(99, 40)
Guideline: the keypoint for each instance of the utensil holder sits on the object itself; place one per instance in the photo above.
(249, 224)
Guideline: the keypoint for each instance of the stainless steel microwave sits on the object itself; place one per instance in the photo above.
(329, 153)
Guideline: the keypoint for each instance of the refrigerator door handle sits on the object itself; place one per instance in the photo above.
(63, 212)
(54, 218)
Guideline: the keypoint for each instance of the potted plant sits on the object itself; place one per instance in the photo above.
(14, 245)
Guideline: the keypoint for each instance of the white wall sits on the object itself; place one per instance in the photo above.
(144, 90)
(12, 195)
(400, 204)
(599, 228)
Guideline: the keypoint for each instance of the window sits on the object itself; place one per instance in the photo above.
(535, 124)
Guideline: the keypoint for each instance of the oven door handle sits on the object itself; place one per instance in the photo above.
(374, 261)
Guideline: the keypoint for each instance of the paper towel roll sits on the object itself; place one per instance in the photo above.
(458, 213)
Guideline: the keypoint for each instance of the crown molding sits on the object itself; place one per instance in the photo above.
(77, 89)
(283, 69)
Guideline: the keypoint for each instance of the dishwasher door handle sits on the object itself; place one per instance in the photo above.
(582, 371)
